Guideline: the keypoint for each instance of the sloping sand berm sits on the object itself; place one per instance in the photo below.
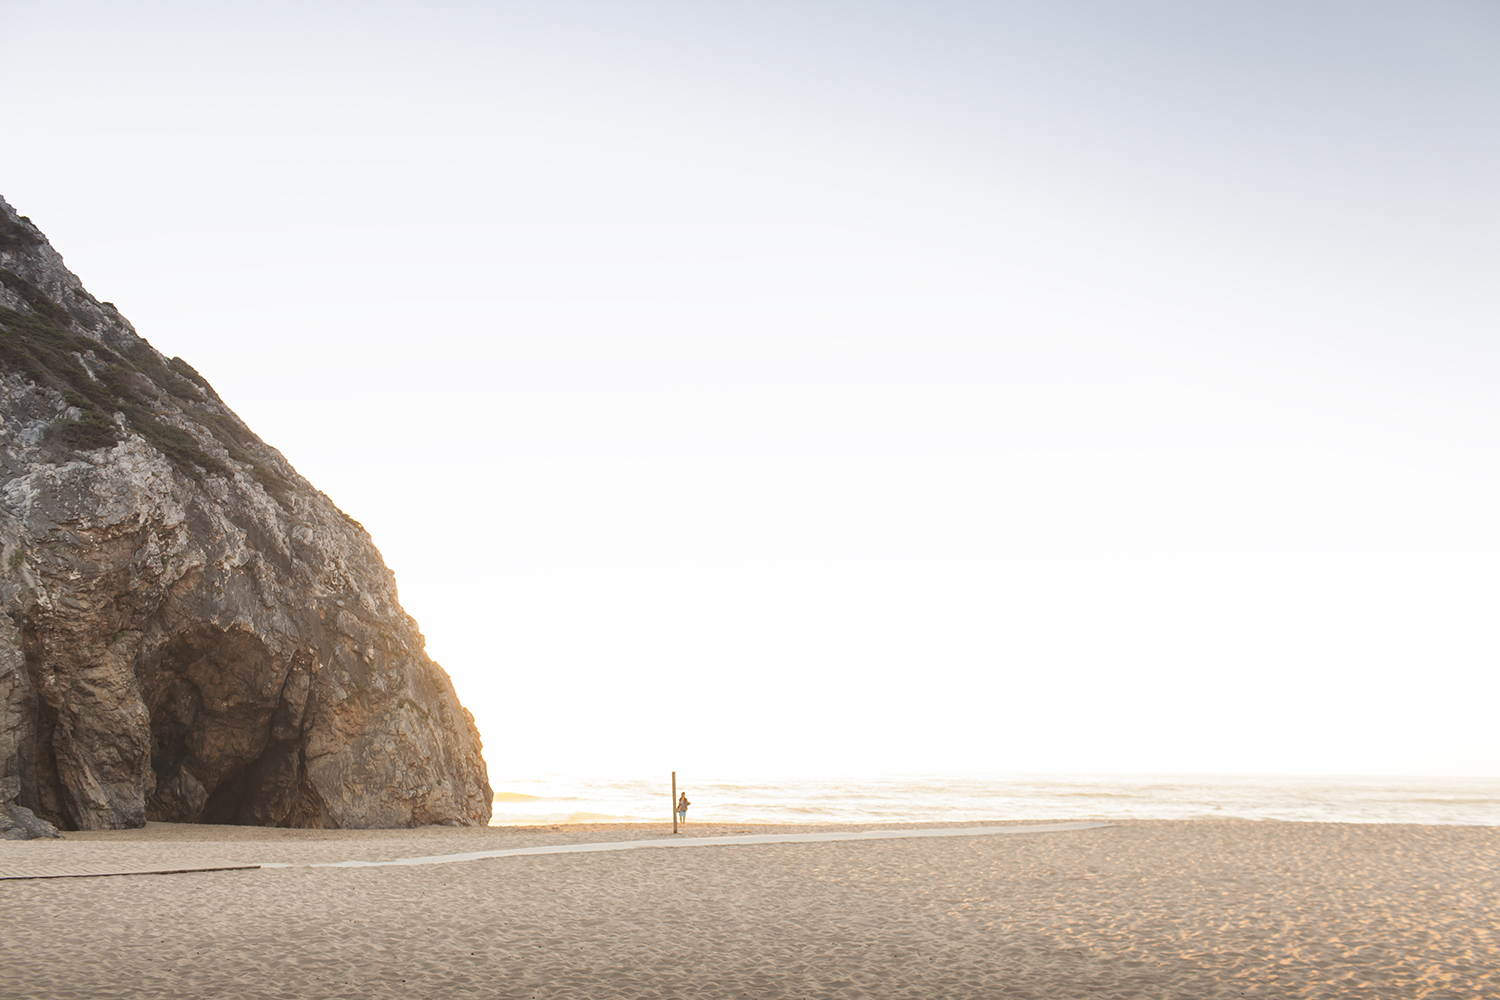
(1181, 909)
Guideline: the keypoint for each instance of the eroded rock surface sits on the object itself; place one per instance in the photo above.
(191, 631)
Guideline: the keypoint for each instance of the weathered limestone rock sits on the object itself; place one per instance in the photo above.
(191, 631)
(20, 823)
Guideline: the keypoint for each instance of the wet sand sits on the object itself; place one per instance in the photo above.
(1189, 909)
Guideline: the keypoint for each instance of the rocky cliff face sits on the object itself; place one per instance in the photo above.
(191, 631)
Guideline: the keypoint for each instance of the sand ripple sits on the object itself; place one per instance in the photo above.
(1173, 909)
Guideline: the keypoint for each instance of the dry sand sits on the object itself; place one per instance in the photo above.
(1189, 909)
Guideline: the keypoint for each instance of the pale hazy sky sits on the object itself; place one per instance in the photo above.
(845, 387)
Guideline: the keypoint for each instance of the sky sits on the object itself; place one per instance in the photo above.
(757, 388)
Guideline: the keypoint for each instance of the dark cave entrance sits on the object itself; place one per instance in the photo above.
(225, 741)
(224, 721)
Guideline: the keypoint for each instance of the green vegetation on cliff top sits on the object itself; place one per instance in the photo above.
(39, 346)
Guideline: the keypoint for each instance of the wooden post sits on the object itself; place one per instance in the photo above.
(674, 801)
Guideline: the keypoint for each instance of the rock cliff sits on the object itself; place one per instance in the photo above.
(191, 631)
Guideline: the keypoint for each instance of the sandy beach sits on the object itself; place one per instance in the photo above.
(1189, 909)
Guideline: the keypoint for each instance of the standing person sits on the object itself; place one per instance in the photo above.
(682, 804)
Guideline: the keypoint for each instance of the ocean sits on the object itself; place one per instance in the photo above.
(930, 798)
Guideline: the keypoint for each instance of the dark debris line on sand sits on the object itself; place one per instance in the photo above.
(164, 871)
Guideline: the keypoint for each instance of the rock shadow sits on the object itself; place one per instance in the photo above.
(226, 732)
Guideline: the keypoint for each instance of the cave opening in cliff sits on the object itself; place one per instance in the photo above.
(217, 753)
